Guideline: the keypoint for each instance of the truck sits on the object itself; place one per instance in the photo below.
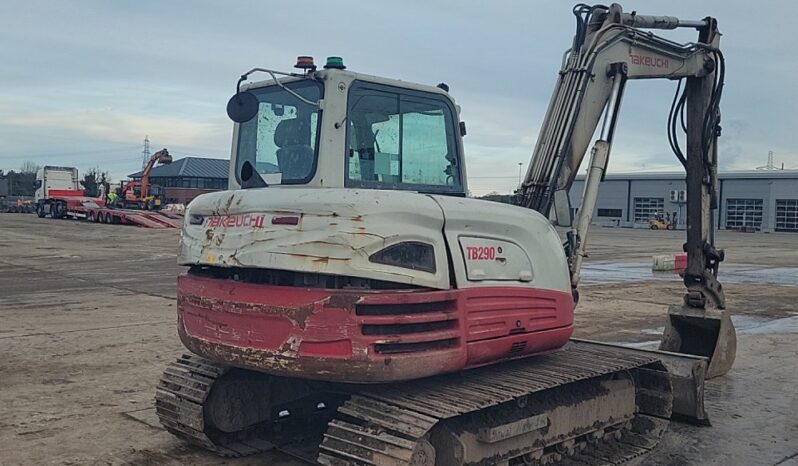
(348, 303)
(59, 195)
(52, 185)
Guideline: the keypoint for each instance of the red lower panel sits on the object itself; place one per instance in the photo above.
(366, 336)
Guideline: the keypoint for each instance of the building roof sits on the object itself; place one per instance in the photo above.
(190, 167)
(729, 175)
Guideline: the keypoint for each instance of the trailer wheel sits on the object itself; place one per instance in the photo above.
(90, 216)
(57, 210)
(108, 218)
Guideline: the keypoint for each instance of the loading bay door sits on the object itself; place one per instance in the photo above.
(743, 214)
(786, 214)
(647, 207)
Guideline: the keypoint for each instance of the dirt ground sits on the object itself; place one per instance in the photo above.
(87, 317)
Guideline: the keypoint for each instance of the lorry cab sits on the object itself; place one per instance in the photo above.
(52, 180)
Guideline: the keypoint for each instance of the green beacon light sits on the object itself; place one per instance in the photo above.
(335, 63)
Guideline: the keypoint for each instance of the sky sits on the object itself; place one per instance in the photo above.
(83, 82)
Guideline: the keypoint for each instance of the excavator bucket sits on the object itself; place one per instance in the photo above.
(163, 157)
(702, 332)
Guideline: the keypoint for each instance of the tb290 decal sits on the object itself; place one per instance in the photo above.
(482, 253)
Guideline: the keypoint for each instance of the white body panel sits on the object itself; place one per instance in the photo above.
(55, 178)
(531, 253)
(339, 229)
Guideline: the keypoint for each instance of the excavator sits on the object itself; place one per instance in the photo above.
(140, 194)
(346, 302)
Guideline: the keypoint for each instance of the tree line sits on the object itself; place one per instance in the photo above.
(21, 183)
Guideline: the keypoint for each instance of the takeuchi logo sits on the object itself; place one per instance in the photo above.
(652, 62)
(234, 221)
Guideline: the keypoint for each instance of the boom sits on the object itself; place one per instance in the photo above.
(609, 48)
(162, 157)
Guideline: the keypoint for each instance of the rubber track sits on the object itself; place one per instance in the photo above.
(179, 398)
(382, 426)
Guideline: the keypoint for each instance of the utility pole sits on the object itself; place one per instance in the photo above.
(520, 164)
(146, 152)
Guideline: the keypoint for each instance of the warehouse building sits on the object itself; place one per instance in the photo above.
(759, 200)
(184, 179)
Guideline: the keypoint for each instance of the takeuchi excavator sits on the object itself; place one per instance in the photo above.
(347, 303)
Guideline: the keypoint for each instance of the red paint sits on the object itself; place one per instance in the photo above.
(351, 335)
(60, 193)
(680, 261)
(330, 349)
(77, 203)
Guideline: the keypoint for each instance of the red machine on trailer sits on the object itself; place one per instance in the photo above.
(58, 195)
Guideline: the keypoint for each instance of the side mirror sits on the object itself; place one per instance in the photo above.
(242, 107)
(250, 178)
(562, 208)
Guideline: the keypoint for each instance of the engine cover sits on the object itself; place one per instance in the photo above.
(338, 232)
(327, 231)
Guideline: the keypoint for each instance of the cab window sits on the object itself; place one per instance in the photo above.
(401, 139)
(280, 142)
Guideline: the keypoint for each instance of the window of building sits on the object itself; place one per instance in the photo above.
(743, 213)
(648, 207)
(610, 213)
(786, 214)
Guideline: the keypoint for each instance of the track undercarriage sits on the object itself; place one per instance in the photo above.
(585, 404)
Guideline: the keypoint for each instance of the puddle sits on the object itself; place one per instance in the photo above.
(595, 273)
(744, 324)
(751, 325)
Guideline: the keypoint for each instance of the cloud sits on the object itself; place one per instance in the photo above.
(102, 75)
